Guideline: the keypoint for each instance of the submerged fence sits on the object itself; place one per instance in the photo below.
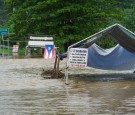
(6, 49)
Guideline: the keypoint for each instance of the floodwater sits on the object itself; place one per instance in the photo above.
(24, 92)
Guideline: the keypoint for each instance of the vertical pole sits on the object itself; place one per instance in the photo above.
(66, 78)
(29, 52)
(26, 51)
(55, 59)
(55, 65)
(8, 48)
(2, 45)
(67, 66)
(66, 74)
(57, 71)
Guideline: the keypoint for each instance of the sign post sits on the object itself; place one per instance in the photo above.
(77, 57)
(3, 32)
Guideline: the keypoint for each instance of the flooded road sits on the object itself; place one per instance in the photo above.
(24, 92)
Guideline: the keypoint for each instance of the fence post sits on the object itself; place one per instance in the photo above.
(3, 45)
(57, 71)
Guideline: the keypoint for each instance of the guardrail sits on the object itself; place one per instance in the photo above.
(3, 46)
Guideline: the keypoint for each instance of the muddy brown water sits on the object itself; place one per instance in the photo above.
(24, 92)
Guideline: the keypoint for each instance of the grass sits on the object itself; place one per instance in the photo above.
(21, 51)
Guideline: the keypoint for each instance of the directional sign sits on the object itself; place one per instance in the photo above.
(3, 31)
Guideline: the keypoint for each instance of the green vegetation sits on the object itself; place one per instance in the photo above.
(67, 20)
(6, 50)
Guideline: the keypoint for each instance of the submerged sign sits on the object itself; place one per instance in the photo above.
(78, 57)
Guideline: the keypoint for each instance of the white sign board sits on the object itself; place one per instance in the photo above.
(15, 48)
(78, 57)
(39, 43)
(41, 38)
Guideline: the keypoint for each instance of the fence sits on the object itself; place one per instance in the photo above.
(6, 46)
(6, 50)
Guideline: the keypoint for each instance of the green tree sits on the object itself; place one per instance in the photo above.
(68, 21)
(3, 15)
(129, 17)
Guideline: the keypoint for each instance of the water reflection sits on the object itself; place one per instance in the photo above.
(78, 98)
(19, 56)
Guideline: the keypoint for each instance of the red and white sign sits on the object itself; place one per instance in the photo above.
(78, 57)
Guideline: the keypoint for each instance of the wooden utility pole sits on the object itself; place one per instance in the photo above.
(57, 69)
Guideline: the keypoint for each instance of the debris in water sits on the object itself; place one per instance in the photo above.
(49, 74)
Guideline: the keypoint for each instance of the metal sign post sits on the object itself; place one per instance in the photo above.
(3, 32)
(2, 45)
(77, 57)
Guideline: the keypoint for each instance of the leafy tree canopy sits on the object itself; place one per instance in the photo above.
(67, 20)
